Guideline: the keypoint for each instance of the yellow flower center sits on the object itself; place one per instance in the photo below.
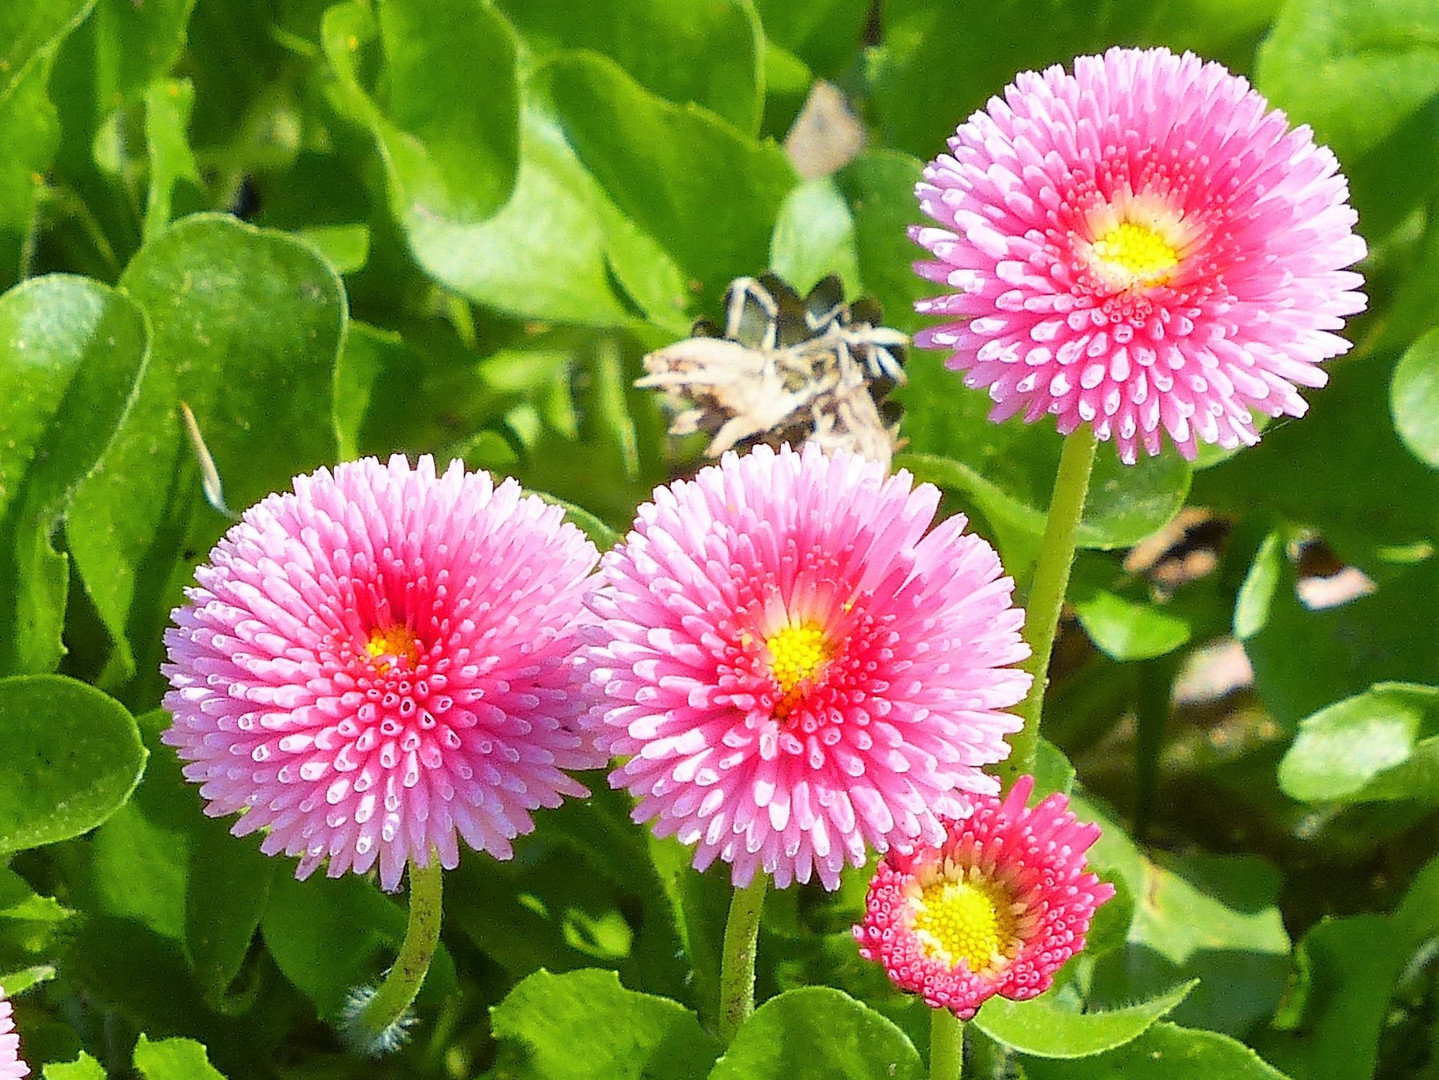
(797, 653)
(965, 920)
(393, 643)
(1132, 254)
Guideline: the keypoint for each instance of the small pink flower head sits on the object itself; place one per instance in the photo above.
(383, 661)
(1142, 246)
(795, 669)
(12, 1067)
(996, 908)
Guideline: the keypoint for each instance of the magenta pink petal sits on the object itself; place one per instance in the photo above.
(797, 667)
(1143, 246)
(380, 665)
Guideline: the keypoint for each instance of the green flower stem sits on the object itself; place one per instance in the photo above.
(1046, 592)
(741, 938)
(422, 936)
(946, 1045)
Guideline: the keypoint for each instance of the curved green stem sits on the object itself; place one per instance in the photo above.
(946, 1045)
(741, 939)
(384, 1014)
(1046, 592)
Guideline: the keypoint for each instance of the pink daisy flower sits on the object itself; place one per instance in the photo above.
(1141, 245)
(11, 1065)
(794, 669)
(996, 908)
(381, 663)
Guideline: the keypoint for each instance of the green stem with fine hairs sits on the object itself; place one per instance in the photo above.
(741, 940)
(1046, 592)
(422, 937)
(946, 1045)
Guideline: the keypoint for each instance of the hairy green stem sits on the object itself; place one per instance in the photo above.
(387, 1009)
(946, 1045)
(741, 939)
(1046, 592)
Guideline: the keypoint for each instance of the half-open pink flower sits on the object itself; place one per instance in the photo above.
(997, 907)
(1143, 246)
(381, 663)
(796, 667)
(12, 1066)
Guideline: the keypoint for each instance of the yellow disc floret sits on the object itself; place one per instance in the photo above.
(965, 920)
(1133, 254)
(393, 643)
(797, 653)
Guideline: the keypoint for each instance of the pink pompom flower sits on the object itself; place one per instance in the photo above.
(381, 663)
(12, 1066)
(793, 668)
(1142, 245)
(997, 907)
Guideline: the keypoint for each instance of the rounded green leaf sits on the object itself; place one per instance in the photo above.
(709, 194)
(173, 1059)
(82, 1068)
(1414, 398)
(245, 327)
(1164, 1052)
(1381, 744)
(703, 53)
(447, 122)
(70, 352)
(817, 1033)
(1125, 630)
(1042, 1029)
(583, 1025)
(72, 757)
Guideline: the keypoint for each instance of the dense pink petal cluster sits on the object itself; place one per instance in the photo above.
(1007, 876)
(794, 668)
(12, 1067)
(1143, 246)
(381, 663)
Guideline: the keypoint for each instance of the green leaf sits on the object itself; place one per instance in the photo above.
(31, 29)
(707, 54)
(71, 350)
(1345, 970)
(1164, 1052)
(72, 757)
(228, 884)
(814, 237)
(1355, 74)
(168, 103)
(879, 187)
(1414, 398)
(543, 255)
(1374, 494)
(1043, 1029)
(134, 45)
(173, 1059)
(30, 133)
(708, 193)
(583, 1025)
(1381, 744)
(445, 124)
(1305, 660)
(1207, 916)
(817, 1033)
(82, 1068)
(826, 34)
(30, 926)
(245, 327)
(937, 65)
(1125, 630)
